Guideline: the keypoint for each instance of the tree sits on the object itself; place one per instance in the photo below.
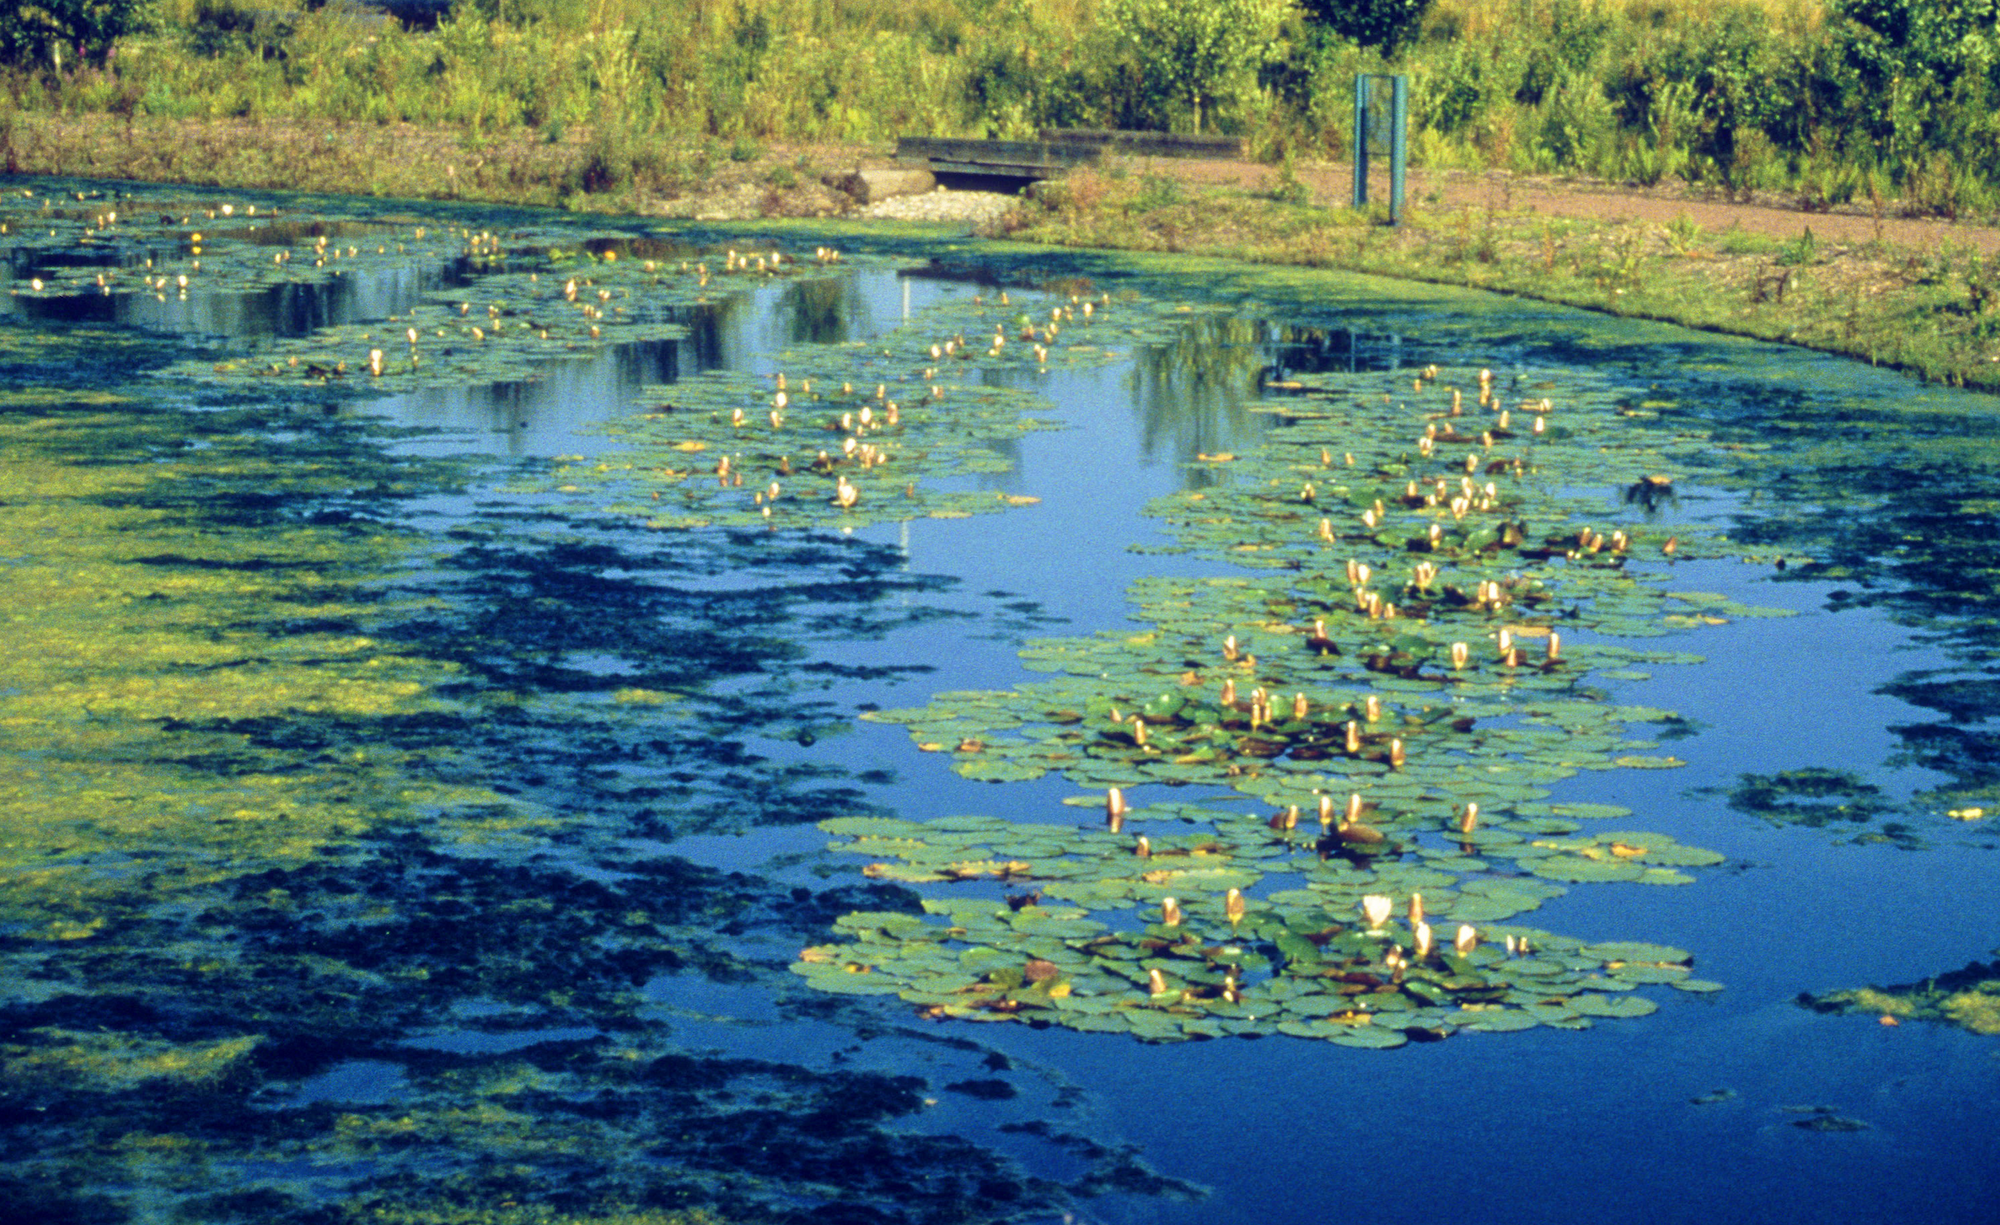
(1192, 52)
(1386, 24)
(1910, 38)
(52, 32)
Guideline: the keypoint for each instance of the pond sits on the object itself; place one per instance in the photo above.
(518, 718)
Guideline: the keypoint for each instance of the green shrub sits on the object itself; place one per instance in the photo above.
(1384, 24)
(51, 33)
(1191, 59)
(1577, 124)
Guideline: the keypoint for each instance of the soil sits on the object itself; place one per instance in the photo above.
(1774, 215)
(1766, 213)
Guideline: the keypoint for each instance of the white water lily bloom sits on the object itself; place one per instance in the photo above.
(1377, 907)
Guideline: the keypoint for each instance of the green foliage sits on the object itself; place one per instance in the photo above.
(1913, 38)
(1900, 94)
(233, 27)
(1386, 24)
(1191, 55)
(54, 33)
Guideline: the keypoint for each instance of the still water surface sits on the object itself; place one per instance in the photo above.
(1689, 1114)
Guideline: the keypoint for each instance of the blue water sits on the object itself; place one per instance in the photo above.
(1687, 1115)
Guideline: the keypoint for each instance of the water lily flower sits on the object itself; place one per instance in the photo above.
(1156, 983)
(1416, 910)
(1461, 654)
(1469, 819)
(1353, 736)
(1423, 939)
(1465, 941)
(1232, 904)
(1326, 812)
(1396, 754)
(1372, 708)
(1300, 707)
(1376, 907)
(1555, 646)
(1170, 912)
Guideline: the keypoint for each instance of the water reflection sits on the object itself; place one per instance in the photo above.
(1204, 393)
(1298, 349)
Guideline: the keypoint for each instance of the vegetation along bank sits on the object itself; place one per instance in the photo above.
(1881, 109)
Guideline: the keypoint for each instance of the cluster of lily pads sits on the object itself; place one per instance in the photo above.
(523, 305)
(1374, 722)
(869, 431)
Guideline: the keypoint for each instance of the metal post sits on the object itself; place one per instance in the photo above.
(1360, 142)
(1371, 115)
(1399, 143)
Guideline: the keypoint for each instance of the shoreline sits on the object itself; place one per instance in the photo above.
(1916, 294)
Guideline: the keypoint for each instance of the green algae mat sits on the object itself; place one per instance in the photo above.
(342, 786)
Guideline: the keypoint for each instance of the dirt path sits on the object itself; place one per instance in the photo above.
(1453, 190)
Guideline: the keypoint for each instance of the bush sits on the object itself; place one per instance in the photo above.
(1194, 55)
(1385, 24)
(45, 31)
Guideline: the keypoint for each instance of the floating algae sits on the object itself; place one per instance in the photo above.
(1968, 998)
(329, 843)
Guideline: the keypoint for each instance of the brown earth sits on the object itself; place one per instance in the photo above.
(1767, 214)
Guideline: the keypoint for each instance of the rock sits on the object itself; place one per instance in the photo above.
(868, 186)
(973, 208)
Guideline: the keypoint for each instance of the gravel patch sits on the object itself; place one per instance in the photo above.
(970, 207)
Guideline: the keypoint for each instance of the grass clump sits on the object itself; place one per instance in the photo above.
(1935, 313)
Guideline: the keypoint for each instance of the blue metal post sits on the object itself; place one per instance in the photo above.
(1360, 141)
(1392, 113)
(1399, 143)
